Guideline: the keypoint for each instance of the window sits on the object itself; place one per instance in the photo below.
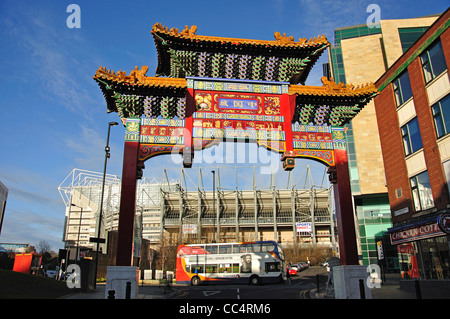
(441, 115)
(409, 35)
(211, 249)
(228, 268)
(225, 249)
(197, 269)
(421, 190)
(433, 62)
(240, 249)
(412, 141)
(402, 88)
(256, 248)
(265, 247)
(446, 166)
(211, 269)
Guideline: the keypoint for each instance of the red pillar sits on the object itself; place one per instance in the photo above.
(287, 109)
(348, 250)
(188, 148)
(128, 195)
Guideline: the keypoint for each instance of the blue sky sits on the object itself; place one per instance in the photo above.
(53, 113)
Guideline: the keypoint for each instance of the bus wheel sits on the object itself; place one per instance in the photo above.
(254, 280)
(195, 281)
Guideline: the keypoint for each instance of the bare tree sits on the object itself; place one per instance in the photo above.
(43, 247)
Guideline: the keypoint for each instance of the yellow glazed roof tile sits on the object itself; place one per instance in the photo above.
(139, 78)
(330, 88)
(280, 40)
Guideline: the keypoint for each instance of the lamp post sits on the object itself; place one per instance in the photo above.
(79, 230)
(107, 155)
(214, 206)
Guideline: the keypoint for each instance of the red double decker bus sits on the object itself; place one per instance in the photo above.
(239, 263)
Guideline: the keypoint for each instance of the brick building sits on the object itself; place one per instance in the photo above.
(413, 116)
(376, 48)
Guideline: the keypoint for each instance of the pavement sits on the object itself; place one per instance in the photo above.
(146, 291)
(387, 291)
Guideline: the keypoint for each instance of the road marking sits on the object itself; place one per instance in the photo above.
(238, 297)
(210, 293)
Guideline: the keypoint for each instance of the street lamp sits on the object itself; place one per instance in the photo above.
(107, 155)
(79, 230)
(214, 206)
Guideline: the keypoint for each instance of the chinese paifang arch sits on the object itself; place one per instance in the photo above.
(209, 89)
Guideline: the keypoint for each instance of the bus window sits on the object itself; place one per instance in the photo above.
(211, 269)
(197, 269)
(225, 249)
(236, 268)
(256, 248)
(212, 249)
(225, 268)
(239, 249)
(266, 247)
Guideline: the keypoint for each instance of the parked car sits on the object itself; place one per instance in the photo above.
(301, 266)
(292, 271)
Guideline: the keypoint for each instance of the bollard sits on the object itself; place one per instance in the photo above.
(317, 283)
(111, 294)
(417, 288)
(361, 289)
(128, 291)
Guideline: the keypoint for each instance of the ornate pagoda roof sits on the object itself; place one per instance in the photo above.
(136, 95)
(184, 53)
(331, 104)
(126, 94)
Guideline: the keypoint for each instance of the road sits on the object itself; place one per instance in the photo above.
(300, 284)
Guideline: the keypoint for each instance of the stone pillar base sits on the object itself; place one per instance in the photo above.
(346, 282)
(117, 278)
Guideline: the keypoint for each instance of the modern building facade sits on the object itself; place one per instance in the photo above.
(81, 193)
(413, 116)
(169, 210)
(287, 216)
(14, 247)
(364, 53)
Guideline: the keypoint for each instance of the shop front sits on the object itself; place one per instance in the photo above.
(423, 247)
